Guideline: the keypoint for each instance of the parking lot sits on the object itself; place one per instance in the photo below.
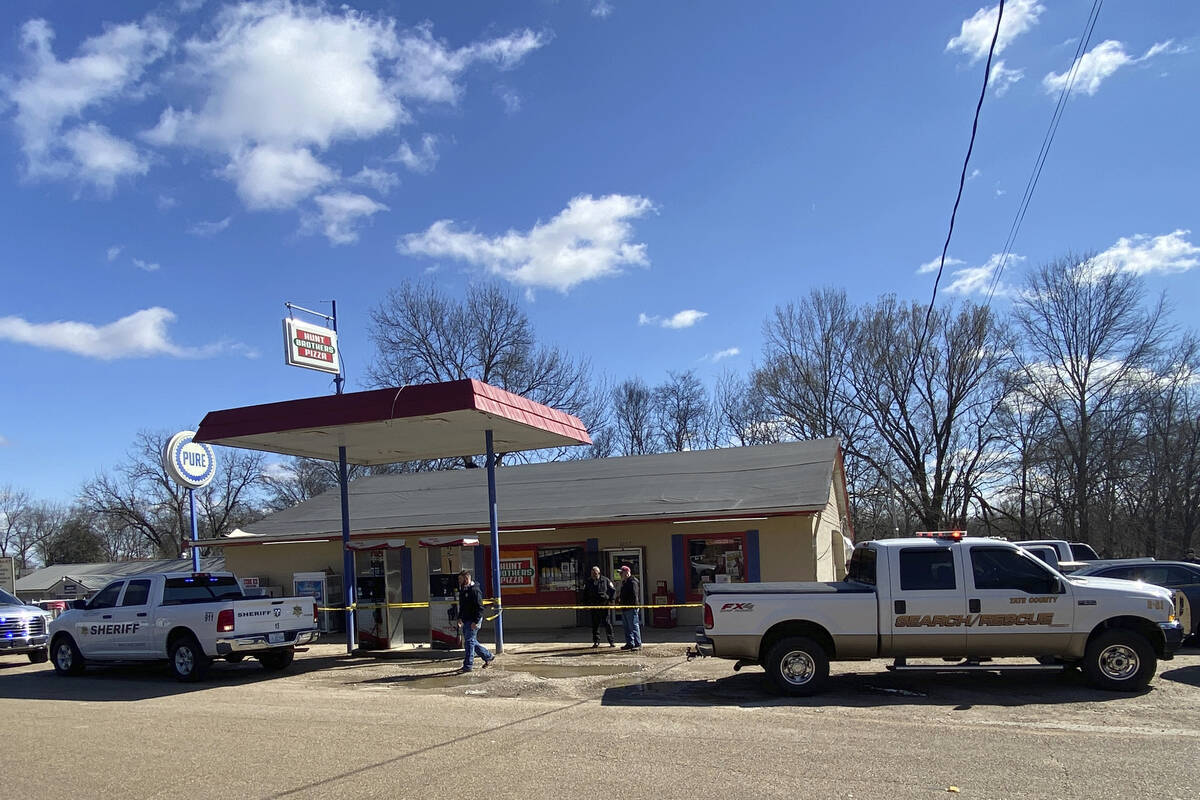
(561, 720)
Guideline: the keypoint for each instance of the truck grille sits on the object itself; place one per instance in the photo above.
(22, 626)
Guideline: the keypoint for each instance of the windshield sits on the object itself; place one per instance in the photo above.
(7, 599)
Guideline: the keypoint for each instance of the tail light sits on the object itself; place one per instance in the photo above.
(225, 621)
(708, 617)
(315, 620)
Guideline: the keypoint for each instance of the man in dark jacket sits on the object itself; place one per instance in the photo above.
(630, 595)
(470, 615)
(599, 591)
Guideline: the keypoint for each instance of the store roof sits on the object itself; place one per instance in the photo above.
(386, 426)
(736, 482)
(97, 575)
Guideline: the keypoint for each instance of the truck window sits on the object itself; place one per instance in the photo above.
(1121, 573)
(924, 568)
(1001, 568)
(1083, 552)
(862, 566)
(201, 589)
(136, 593)
(107, 597)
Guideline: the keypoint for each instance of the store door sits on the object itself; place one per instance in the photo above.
(635, 558)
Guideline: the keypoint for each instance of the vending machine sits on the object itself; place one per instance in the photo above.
(447, 556)
(326, 589)
(378, 620)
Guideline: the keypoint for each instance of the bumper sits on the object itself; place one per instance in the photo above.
(24, 644)
(260, 641)
(1172, 638)
(704, 645)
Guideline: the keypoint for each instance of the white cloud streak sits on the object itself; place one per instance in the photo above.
(590, 239)
(423, 161)
(932, 266)
(380, 180)
(1099, 64)
(975, 37)
(1002, 78)
(205, 228)
(978, 280)
(341, 212)
(146, 266)
(113, 252)
(728, 352)
(1140, 254)
(142, 334)
(682, 319)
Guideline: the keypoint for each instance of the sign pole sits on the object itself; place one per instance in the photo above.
(192, 466)
(494, 529)
(195, 550)
(348, 579)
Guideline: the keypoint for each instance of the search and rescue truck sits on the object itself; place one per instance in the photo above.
(187, 618)
(965, 600)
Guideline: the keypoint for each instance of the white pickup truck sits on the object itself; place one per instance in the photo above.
(948, 598)
(187, 618)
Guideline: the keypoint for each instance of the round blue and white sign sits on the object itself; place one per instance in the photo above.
(189, 463)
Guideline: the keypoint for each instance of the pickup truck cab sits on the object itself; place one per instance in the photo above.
(942, 597)
(188, 619)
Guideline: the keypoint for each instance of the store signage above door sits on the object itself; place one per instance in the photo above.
(310, 346)
(189, 463)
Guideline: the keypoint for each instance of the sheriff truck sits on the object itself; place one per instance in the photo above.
(943, 596)
(188, 619)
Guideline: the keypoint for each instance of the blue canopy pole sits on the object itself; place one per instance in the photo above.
(195, 550)
(494, 529)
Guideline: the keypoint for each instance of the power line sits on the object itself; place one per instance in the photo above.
(1047, 140)
(962, 180)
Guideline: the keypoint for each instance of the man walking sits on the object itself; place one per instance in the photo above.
(470, 615)
(600, 591)
(629, 597)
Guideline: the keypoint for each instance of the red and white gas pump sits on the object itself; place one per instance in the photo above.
(447, 555)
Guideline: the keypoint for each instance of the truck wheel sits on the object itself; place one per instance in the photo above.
(1119, 660)
(278, 659)
(798, 666)
(39, 656)
(67, 658)
(187, 659)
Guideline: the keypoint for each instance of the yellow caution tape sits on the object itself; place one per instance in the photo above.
(357, 606)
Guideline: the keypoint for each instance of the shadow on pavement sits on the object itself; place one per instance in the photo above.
(1186, 675)
(752, 689)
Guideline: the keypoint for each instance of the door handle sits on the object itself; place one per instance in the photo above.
(141, 613)
(900, 607)
(107, 616)
(973, 606)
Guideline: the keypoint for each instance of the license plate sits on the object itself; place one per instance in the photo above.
(275, 638)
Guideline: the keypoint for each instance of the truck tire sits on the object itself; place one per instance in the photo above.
(277, 660)
(39, 656)
(67, 658)
(1119, 660)
(798, 666)
(187, 659)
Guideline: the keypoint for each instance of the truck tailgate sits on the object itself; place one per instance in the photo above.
(270, 614)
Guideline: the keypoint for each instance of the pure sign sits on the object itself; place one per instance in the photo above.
(310, 346)
(188, 463)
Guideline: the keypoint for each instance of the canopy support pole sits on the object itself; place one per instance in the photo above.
(494, 529)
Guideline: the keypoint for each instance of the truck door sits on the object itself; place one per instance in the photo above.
(925, 616)
(1018, 606)
(131, 620)
(91, 630)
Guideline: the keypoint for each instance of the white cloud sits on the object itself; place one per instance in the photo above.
(684, 319)
(146, 266)
(205, 228)
(978, 280)
(114, 251)
(424, 161)
(510, 98)
(932, 266)
(52, 91)
(1098, 64)
(728, 352)
(139, 335)
(602, 9)
(645, 319)
(380, 180)
(278, 471)
(975, 37)
(281, 83)
(166, 202)
(591, 238)
(1003, 78)
(340, 212)
(1145, 255)
(974, 174)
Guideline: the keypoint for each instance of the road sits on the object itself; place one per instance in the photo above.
(565, 721)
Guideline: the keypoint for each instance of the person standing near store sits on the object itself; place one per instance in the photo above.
(470, 616)
(599, 591)
(629, 597)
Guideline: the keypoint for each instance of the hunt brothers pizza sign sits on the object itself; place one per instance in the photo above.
(310, 346)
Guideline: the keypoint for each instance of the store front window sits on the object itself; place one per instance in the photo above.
(559, 568)
(532, 574)
(719, 558)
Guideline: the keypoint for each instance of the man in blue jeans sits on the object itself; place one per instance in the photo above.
(629, 597)
(470, 615)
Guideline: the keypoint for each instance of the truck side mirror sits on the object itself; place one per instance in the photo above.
(79, 604)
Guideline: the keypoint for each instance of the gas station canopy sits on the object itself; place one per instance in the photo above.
(385, 426)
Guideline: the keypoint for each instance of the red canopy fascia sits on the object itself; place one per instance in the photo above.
(385, 426)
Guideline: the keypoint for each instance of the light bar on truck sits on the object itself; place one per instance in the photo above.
(955, 535)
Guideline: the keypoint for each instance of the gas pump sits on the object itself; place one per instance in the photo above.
(378, 575)
(447, 556)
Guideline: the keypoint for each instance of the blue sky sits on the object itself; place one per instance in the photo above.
(651, 178)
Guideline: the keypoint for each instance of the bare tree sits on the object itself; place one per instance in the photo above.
(633, 418)
(423, 336)
(74, 541)
(681, 412)
(741, 413)
(16, 505)
(1091, 342)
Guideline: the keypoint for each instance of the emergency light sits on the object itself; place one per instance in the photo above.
(955, 535)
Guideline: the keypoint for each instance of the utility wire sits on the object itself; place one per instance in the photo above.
(1047, 140)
